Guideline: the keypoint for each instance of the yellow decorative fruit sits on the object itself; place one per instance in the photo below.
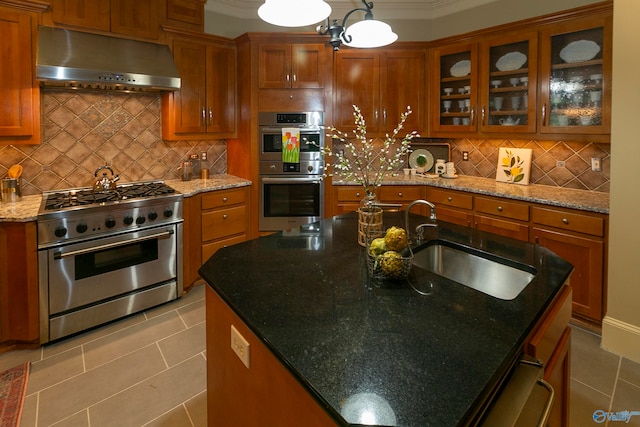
(377, 246)
(391, 264)
(396, 239)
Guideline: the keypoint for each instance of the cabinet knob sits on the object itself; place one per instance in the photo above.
(449, 199)
(224, 199)
(358, 194)
(399, 194)
(565, 221)
(499, 208)
(224, 216)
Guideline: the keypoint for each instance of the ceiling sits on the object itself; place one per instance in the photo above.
(383, 9)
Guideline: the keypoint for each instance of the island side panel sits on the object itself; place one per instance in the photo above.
(266, 394)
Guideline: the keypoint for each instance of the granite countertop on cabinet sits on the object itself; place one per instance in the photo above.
(433, 357)
(24, 210)
(585, 200)
(215, 182)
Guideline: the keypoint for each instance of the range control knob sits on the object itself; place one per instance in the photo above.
(152, 216)
(60, 231)
(81, 228)
(128, 220)
(110, 222)
(167, 213)
(140, 220)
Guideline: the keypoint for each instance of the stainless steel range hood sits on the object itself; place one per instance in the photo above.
(79, 60)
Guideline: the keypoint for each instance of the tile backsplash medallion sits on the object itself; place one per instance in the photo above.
(85, 130)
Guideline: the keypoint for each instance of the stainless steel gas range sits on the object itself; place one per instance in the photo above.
(103, 255)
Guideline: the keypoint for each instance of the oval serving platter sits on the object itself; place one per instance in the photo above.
(511, 61)
(580, 50)
(461, 68)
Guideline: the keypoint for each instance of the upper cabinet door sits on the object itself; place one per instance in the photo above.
(307, 65)
(454, 89)
(190, 113)
(508, 82)
(20, 110)
(576, 77)
(135, 18)
(291, 66)
(94, 14)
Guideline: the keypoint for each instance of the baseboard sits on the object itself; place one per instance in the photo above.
(621, 338)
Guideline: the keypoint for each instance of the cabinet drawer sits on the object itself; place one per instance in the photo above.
(547, 336)
(394, 193)
(512, 229)
(568, 221)
(223, 223)
(211, 248)
(511, 210)
(217, 199)
(450, 198)
(350, 194)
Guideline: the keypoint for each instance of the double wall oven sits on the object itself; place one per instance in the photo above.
(105, 255)
(291, 193)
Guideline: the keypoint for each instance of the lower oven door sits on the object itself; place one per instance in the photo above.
(290, 202)
(97, 270)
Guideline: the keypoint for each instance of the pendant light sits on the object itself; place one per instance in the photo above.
(294, 13)
(368, 33)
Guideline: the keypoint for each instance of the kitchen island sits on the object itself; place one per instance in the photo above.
(330, 346)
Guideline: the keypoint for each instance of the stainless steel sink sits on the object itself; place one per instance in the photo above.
(493, 277)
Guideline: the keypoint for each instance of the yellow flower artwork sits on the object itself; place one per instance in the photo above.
(514, 165)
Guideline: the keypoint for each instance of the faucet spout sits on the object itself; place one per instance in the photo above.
(420, 228)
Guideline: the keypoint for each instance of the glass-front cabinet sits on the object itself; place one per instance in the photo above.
(508, 82)
(453, 105)
(576, 77)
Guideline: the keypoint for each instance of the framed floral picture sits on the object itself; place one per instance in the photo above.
(514, 165)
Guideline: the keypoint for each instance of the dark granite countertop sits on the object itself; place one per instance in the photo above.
(424, 360)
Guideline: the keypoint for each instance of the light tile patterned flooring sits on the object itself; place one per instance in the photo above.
(150, 370)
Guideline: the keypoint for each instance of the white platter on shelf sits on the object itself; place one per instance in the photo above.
(511, 61)
(421, 152)
(580, 50)
(461, 68)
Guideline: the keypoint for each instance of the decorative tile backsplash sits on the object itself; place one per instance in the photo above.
(85, 130)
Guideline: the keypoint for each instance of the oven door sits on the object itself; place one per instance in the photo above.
(290, 202)
(271, 143)
(97, 270)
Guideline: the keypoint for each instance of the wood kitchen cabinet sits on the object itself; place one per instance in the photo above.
(291, 65)
(18, 283)
(205, 105)
(452, 206)
(19, 90)
(503, 217)
(140, 18)
(382, 84)
(214, 220)
(187, 14)
(578, 237)
(348, 197)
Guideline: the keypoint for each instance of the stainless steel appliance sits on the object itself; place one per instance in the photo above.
(291, 193)
(104, 255)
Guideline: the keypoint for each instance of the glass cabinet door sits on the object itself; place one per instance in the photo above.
(576, 94)
(453, 105)
(508, 83)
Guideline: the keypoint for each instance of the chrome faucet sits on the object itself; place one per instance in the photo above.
(420, 228)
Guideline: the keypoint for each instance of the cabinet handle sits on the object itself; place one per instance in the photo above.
(544, 114)
(483, 116)
(204, 117)
(565, 221)
(473, 115)
(224, 199)
(449, 199)
(499, 208)
(210, 117)
(384, 116)
(295, 77)
(536, 240)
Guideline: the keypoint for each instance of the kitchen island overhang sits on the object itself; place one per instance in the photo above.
(427, 359)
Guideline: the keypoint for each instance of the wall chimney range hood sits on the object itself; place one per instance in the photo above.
(78, 60)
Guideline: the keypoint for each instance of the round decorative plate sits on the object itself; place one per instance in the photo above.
(461, 68)
(580, 50)
(413, 159)
(511, 61)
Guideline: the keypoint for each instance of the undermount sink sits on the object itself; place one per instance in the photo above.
(493, 276)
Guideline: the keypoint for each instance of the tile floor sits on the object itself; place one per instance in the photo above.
(149, 370)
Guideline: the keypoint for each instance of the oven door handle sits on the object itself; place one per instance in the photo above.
(278, 130)
(291, 180)
(60, 255)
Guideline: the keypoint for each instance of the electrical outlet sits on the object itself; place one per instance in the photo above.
(240, 346)
(465, 156)
(560, 163)
(596, 164)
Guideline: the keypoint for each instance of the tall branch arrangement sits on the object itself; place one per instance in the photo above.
(362, 160)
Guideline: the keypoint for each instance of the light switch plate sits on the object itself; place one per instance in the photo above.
(240, 346)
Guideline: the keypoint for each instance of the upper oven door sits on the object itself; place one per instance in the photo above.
(311, 141)
(99, 269)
